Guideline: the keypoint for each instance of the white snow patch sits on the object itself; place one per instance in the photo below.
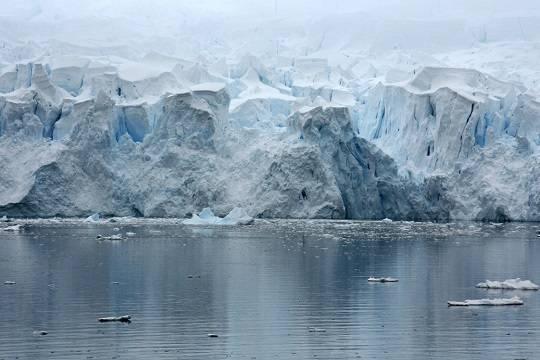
(14, 228)
(488, 302)
(511, 284)
(237, 216)
(93, 218)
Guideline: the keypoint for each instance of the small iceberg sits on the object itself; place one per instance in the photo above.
(117, 237)
(511, 284)
(237, 216)
(488, 302)
(10, 283)
(4, 219)
(382, 280)
(93, 218)
(13, 228)
(124, 319)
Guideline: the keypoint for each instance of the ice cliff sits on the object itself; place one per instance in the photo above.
(307, 126)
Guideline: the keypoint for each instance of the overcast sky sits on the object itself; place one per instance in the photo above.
(264, 8)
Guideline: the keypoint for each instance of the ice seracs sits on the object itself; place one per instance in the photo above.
(511, 284)
(320, 123)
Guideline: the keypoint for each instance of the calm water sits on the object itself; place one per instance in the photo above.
(262, 288)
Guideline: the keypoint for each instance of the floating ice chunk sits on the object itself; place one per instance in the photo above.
(14, 228)
(387, 220)
(316, 330)
(130, 234)
(93, 218)
(4, 219)
(213, 335)
(205, 217)
(116, 237)
(125, 318)
(382, 280)
(10, 283)
(237, 216)
(41, 333)
(488, 302)
(511, 284)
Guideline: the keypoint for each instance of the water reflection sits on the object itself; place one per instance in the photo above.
(262, 289)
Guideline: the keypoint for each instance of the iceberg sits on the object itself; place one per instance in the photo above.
(116, 237)
(237, 216)
(93, 218)
(382, 280)
(13, 228)
(512, 284)
(124, 319)
(488, 302)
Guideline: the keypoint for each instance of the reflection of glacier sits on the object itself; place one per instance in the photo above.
(398, 135)
(261, 288)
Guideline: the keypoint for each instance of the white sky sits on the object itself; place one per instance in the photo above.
(264, 8)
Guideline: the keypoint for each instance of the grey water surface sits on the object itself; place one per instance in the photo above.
(274, 290)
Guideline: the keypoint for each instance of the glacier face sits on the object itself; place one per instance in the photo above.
(311, 125)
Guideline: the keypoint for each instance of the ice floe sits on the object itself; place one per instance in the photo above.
(488, 302)
(511, 284)
(382, 279)
(237, 216)
(13, 228)
(125, 318)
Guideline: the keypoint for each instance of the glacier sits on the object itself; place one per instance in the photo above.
(305, 122)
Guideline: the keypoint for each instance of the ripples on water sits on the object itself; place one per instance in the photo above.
(264, 288)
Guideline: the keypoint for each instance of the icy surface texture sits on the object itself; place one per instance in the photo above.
(512, 284)
(325, 117)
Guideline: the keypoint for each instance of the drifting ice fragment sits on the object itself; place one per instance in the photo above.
(4, 219)
(125, 319)
(316, 330)
(93, 218)
(10, 283)
(387, 220)
(488, 302)
(213, 335)
(237, 216)
(117, 237)
(13, 228)
(382, 280)
(511, 284)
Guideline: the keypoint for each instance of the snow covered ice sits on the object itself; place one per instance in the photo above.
(317, 116)
(488, 302)
(512, 284)
(237, 216)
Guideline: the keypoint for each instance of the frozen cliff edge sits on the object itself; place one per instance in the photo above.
(474, 138)
(180, 154)
(79, 138)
